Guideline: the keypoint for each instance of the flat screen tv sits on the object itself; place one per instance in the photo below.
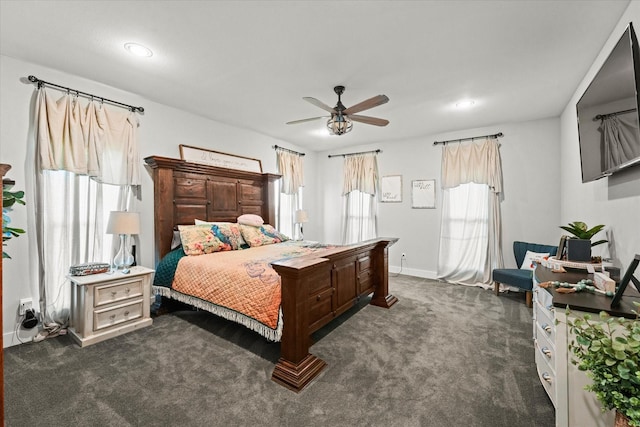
(608, 125)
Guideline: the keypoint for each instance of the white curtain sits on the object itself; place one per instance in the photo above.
(619, 139)
(86, 162)
(290, 166)
(359, 216)
(470, 235)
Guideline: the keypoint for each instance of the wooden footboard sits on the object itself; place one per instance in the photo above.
(317, 290)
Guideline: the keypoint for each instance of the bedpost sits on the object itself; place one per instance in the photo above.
(297, 367)
(269, 210)
(381, 296)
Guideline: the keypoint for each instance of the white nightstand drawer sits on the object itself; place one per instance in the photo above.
(547, 376)
(112, 316)
(118, 291)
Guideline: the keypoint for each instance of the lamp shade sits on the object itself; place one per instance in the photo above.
(122, 222)
(301, 216)
(339, 124)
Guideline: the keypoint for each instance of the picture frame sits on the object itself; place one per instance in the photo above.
(423, 194)
(219, 159)
(391, 189)
(628, 277)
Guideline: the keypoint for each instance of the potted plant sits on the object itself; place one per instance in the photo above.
(9, 198)
(609, 352)
(579, 246)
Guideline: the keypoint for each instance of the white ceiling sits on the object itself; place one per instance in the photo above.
(249, 63)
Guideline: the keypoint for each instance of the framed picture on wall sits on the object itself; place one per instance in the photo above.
(219, 159)
(423, 194)
(391, 189)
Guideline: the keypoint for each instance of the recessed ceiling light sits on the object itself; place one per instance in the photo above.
(465, 103)
(138, 50)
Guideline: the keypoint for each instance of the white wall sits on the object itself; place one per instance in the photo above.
(613, 201)
(162, 129)
(530, 208)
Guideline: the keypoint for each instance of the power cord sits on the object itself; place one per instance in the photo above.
(400, 271)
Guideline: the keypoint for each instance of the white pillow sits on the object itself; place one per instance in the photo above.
(250, 219)
(530, 257)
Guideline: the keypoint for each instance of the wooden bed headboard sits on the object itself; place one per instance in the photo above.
(184, 191)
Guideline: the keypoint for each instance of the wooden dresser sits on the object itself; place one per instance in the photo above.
(563, 382)
(4, 168)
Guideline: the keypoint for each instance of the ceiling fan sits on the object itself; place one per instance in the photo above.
(341, 118)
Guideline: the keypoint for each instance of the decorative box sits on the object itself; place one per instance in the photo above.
(89, 268)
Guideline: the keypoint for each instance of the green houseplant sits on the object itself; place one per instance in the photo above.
(9, 198)
(580, 230)
(609, 352)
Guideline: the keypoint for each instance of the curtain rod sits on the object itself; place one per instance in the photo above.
(34, 79)
(277, 147)
(495, 135)
(354, 154)
(604, 116)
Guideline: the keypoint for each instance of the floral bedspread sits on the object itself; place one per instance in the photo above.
(241, 281)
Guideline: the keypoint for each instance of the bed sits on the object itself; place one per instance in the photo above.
(317, 283)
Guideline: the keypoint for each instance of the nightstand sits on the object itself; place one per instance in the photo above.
(107, 305)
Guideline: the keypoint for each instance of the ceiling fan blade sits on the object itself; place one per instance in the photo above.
(320, 104)
(369, 120)
(295, 122)
(366, 104)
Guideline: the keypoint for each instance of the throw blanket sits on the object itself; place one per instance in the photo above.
(238, 285)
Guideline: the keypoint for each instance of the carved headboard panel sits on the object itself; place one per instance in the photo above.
(185, 191)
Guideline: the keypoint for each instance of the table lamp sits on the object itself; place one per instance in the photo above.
(123, 223)
(301, 218)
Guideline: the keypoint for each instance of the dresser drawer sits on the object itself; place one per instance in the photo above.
(545, 323)
(547, 376)
(544, 299)
(546, 349)
(112, 316)
(118, 291)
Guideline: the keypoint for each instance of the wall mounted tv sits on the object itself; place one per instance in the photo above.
(608, 125)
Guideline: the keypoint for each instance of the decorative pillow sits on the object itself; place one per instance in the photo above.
(227, 232)
(175, 241)
(530, 257)
(199, 240)
(270, 230)
(262, 235)
(250, 219)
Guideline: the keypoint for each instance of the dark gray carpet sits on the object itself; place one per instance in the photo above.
(445, 355)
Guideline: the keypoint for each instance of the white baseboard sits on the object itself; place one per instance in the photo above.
(425, 274)
(9, 339)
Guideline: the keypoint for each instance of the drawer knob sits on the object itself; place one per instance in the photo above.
(113, 316)
(546, 377)
(126, 313)
(318, 298)
(113, 293)
(546, 352)
(127, 290)
(546, 328)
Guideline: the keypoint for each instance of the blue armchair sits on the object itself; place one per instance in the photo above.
(516, 277)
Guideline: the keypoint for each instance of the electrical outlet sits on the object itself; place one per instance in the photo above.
(25, 304)
(404, 256)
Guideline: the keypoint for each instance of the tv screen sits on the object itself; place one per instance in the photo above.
(608, 125)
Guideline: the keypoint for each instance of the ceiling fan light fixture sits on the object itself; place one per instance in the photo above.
(339, 124)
